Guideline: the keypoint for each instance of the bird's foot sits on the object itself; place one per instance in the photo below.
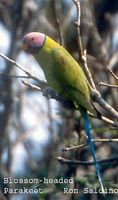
(49, 93)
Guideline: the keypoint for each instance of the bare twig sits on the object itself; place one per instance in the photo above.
(74, 147)
(92, 84)
(103, 140)
(13, 76)
(32, 86)
(112, 73)
(105, 119)
(113, 61)
(94, 92)
(82, 53)
(109, 121)
(77, 23)
(107, 85)
(98, 98)
(43, 84)
(76, 162)
(29, 74)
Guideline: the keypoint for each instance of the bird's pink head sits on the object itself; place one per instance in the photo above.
(33, 42)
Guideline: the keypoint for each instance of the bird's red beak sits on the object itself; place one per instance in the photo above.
(24, 46)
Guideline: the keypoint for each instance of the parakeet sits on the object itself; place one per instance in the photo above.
(64, 75)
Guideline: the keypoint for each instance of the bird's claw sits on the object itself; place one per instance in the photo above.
(49, 93)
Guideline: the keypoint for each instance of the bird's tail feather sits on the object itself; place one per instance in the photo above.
(87, 127)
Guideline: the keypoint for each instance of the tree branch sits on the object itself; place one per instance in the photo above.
(94, 92)
(104, 140)
(29, 74)
(89, 163)
(77, 23)
(107, 85)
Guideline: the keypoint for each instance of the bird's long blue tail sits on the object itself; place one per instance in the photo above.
(87, 127)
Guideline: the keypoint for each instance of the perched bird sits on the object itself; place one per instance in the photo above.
(64, 75)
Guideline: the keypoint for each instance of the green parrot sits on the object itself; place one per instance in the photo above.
(64, 75)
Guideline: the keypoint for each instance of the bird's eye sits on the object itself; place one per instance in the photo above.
(32, 39)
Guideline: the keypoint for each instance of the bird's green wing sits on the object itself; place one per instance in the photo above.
(71, 77)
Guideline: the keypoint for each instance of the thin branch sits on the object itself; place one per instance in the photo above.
(14, 63)
(77, 23)
(74, 147)
(13, 76)
(43, 84)
(76, 162)
(92, 84)
(82, 53)
(46, 92)
(109, 121)
(30, 75)
(32, 86)
(103, 140)
(98, 98)
(113, 62)
(105, 119)
(95, 93)
(107, 85)
(112, 73)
